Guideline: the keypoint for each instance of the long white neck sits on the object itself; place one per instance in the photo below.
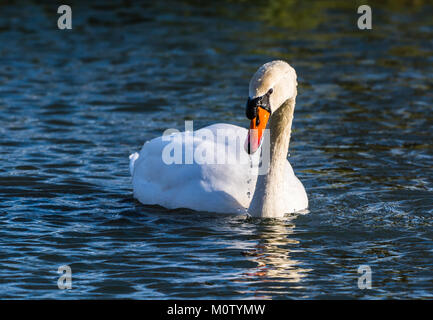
(268, 201)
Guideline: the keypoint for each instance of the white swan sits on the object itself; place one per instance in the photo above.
(229, 186)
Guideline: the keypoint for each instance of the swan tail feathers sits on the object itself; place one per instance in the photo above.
(132, 158)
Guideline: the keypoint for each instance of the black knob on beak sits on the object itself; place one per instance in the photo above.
(262, 102)
(251, 110)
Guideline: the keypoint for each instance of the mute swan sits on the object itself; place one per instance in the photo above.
(229, 186)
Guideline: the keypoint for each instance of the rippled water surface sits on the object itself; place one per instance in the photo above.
(74, 104)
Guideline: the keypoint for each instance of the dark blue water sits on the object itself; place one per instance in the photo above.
(74, 104)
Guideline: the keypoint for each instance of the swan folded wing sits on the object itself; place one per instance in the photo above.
(207, 186)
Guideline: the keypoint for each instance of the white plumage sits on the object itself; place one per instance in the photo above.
(223, 188)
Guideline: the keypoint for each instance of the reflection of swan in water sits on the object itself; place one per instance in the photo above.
(275, 268)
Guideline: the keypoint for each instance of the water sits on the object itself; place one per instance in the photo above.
(74, 105)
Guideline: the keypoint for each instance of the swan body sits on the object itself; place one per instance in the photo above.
(222, 188)
(236, 184)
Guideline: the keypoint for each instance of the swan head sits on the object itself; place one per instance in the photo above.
(273, 84)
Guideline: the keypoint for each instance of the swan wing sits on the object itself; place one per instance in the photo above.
(214, 181)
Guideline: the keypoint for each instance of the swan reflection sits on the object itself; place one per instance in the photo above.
(276, 270)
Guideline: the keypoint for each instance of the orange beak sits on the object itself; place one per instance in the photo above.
(257, 129)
